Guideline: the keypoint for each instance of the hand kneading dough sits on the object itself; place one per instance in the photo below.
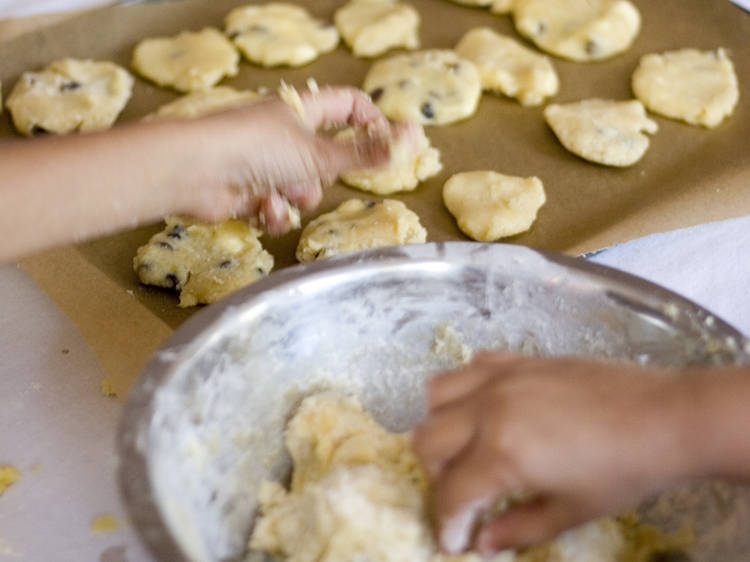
(279, 34)
(189, 61)
(203, 102)
(508, 67)
(357, 225)
(371, 27)
(204, 262)
(698, 87)
(413, 160)
(432, 87)
(602, 131)
(579, 30)
(358, 493)
(488, 205)
(69, 95)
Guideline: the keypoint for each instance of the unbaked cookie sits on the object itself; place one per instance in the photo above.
(191, 60)
(413, 159)
(357, 225)
(203, 102)
(489, 206)
(432, 87)
(698, 87)
(508, 67)
(69, 95)
(579, 30)
(371, 27)
(279, 34)
(602, 131)
(204, 262)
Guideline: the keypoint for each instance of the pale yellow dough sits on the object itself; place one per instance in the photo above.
(413, 160)
(698, 87)
(431, 87)
(69, 95)
(204, 262)
(508, 67)
(203, 102)
(189, 61)
(579, 30)
(9, 475)
(357, 225)
(372, 27)
(279, 34)
(489, 206)
(602, 131)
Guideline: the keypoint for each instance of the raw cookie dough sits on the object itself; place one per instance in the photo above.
(371, 27)
(579, 30)
(204, 262)
(413, 160)
(69, 95)
(432, 87)
(488, 205)
(203, 102)
(602, 131)
(191, 60)
(698, 87)
(356, 225)
(508, 67)
(9, 475)
(279, 34)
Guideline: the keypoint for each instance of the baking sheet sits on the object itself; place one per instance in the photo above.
(689, 176)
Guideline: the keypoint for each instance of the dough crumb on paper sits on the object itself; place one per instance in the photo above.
(9, 475)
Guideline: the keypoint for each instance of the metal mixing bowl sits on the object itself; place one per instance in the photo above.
(204, 422)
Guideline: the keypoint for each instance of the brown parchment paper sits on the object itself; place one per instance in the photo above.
(689, 176)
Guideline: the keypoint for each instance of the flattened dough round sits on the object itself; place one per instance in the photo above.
(372, 27)
(579, 30)
(413, 159)
(489, 206)
(278, 34)
(602, 131)
(203, 102)
(698, 87)
(508, 67)
(431, 87)
(69, 95)
(191, 60)
(205, 262)
(357, 225)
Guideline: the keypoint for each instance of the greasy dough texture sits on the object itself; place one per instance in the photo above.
(431, 87)
(371, 27)
(69, 95)
(579, 30)
(278, 34)
(488, 205)
(602, 131)
(357, 225)
(413, 159)
(203, 102)
(698, 87)
(508, 67)
(204, 262)
(191, 60)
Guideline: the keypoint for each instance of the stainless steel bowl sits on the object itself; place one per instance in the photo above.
(204, 422)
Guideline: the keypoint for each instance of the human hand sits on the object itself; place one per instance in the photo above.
(575, 438)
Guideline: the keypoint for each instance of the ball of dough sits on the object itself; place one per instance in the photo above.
(372, 27)
(203, 102)
(489, 206)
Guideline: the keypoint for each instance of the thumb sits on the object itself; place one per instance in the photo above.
(363, 151)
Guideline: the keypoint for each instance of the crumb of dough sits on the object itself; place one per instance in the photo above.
(9, 475)
(107, 389)
(372, 27)
(105, 524)
(450, 342)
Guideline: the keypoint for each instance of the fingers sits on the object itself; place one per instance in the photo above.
(305, 196)
(363, 152)
(275, 214)
(443, 436)
(340, 106)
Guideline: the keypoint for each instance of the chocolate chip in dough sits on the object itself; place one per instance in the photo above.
(427, 110)
(591, 47)
(177, 232)
(172, 281)
(37, 131)
(376, 94)
(165, 245)
(70, 86)
(370, 204)
(226, 264)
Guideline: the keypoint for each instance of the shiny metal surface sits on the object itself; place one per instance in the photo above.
(204, 421)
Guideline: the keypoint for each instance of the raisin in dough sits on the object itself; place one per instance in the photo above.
(191, 60)
(602, 131)
(489, 206)
(431, 87)
(69, 95)
(698, 87)
(357, 225)
(372, 27)
(204, 262)
(279, 34)
(204, 102)
(579, 30)
(413, 160)
(508, 67)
